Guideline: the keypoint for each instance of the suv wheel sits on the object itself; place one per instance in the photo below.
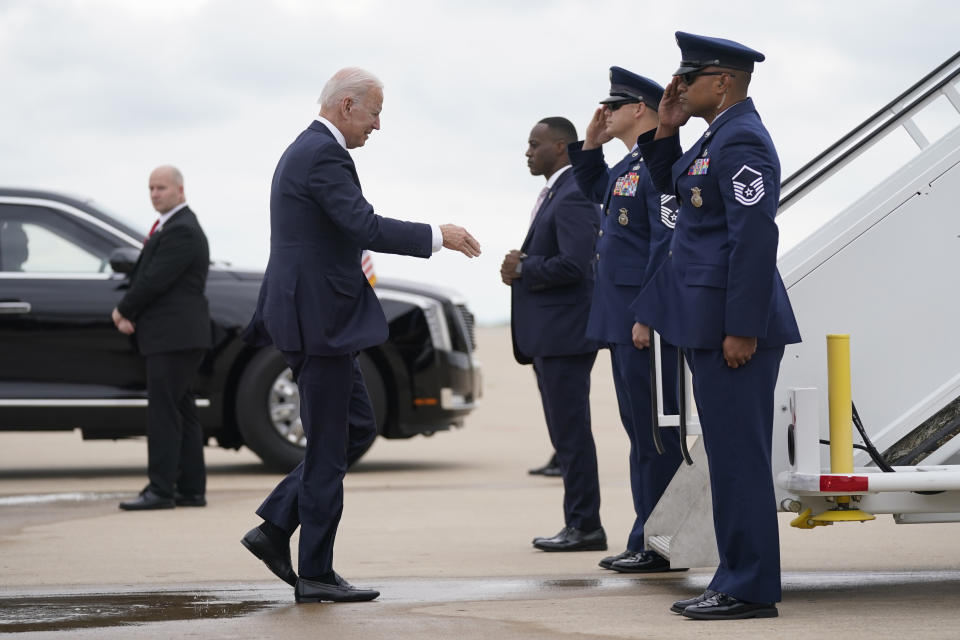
(268, 408)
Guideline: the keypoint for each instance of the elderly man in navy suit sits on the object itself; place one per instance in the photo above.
(638, 223)
(318, 309)
(719, 296)
(551, 281)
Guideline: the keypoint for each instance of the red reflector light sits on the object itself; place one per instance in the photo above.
(844, 483)
(425, 402)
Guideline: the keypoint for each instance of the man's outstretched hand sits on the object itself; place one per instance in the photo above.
(459, 239)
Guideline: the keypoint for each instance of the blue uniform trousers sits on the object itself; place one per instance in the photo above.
(564, 383)
(650, 473)
(339, 424)
(736, 414)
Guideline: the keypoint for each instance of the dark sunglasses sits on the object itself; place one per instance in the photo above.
(690, 76)
(613, 106)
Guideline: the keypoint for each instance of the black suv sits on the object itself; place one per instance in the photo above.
(64, 366)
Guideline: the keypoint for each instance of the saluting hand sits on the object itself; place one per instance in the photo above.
(672, 115)
(459, 239)
(737, 350)
(596, 135)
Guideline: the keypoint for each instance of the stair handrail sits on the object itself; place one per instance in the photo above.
(857, 140)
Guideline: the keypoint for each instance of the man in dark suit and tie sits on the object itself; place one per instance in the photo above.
(166, 311)
(551, 281)
(318, 309)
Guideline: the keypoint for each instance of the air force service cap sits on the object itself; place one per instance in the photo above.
(626, 86)
(697, 52)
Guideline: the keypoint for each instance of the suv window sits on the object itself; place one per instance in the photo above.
(40, 240)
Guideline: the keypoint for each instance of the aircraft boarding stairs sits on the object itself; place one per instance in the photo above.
(870, 247)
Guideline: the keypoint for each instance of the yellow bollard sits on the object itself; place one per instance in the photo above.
(839, 398)
(841, 426)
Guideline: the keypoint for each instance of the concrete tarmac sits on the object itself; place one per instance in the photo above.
(441, 526)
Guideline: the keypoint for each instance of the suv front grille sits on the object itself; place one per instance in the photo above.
(468, 325)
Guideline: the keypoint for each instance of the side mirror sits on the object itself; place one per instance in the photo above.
(124, 259)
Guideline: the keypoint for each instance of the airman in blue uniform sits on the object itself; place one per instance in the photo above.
(719, 297)
(637, 225)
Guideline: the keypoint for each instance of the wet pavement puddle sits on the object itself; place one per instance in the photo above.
(85, 611)
(40, 611)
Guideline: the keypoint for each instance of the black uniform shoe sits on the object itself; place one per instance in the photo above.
(342, 591)
(275, 556)
(609, 560)
(680, 605)
(188, 500)
(148, 500)
(720, 606)
(643, 562)
(552, 469)
(571, 539)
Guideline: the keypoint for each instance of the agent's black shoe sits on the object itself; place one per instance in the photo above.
(551, 469)
(643, 562)
(342, 591)
(275, 556)
(571, 539)
(720, 606)
(189, 500)
(148, 500)
(680, 605)
(609, 560)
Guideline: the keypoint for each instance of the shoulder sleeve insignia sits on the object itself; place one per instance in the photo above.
(748, 186)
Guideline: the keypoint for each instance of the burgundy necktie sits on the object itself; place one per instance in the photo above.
(152, 229)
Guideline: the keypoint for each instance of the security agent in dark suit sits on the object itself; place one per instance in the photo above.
(551, 281)
(165, 309)
(719, 296)
(318, 309)
(637, 226)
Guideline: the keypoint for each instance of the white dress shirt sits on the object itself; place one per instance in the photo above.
(166, 216)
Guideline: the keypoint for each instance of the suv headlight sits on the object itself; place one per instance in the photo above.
(432, 313)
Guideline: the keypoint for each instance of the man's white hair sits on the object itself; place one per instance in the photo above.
(351, 82)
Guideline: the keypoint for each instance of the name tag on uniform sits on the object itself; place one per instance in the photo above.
(699, 167)
(627, 185)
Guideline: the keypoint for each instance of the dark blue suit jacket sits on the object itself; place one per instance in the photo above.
(314, 297)
(551, 300)
(720, 277)
(634, 237)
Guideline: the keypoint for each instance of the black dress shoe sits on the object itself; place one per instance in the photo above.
(643, 562)
(680, 605)
(342, 591)
(720, 606)
(148, 500)
(190, 500)
(276, 557)
(551, 469)
(609, 560)
(571, 539)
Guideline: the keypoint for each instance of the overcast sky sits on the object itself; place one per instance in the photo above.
(96, 93)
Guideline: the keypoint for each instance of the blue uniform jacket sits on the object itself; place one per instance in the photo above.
(633, 240)
(551, 301)
(314, 297)
(720, 277)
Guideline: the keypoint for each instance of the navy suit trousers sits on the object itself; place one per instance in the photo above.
(564, 383)
(339, 424)
(650, 472)
(736, 414)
